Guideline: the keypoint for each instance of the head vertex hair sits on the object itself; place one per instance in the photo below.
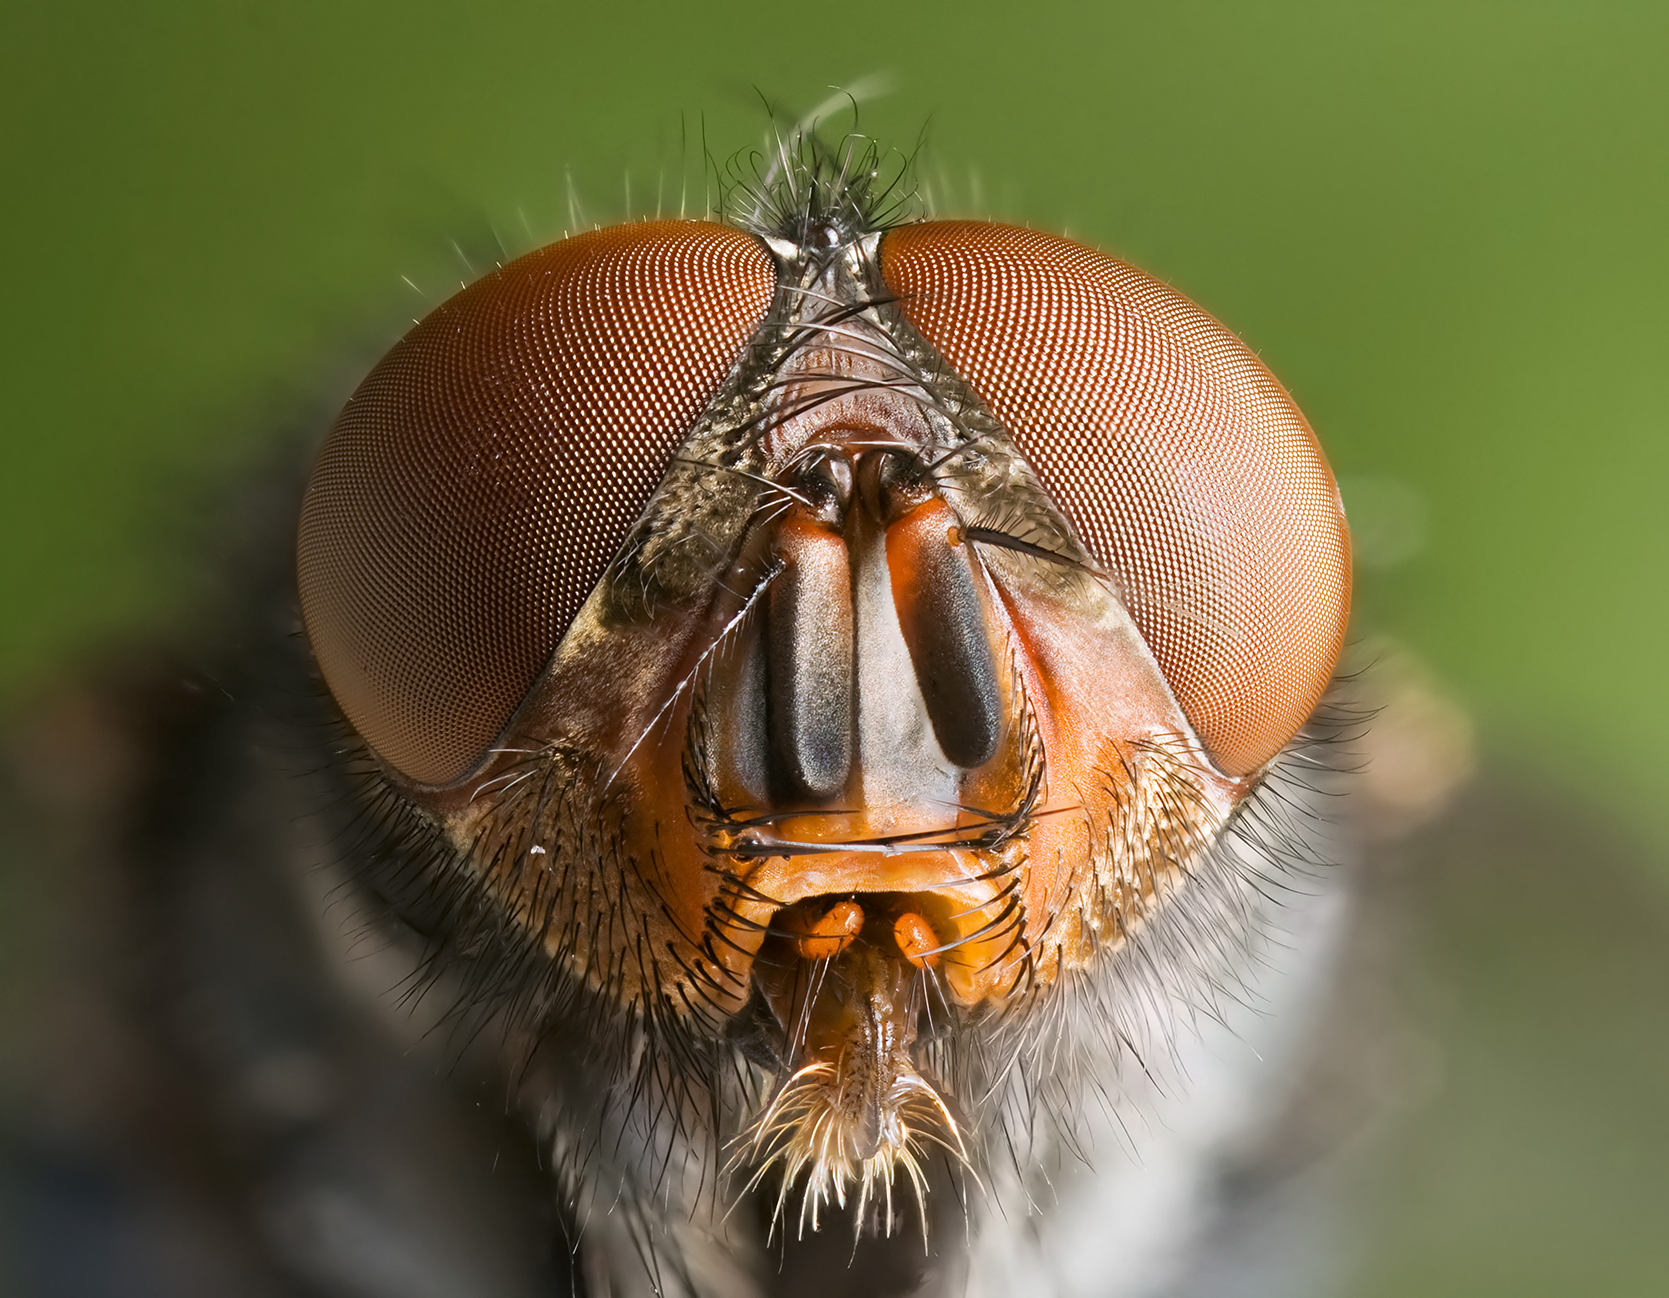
(805, 182)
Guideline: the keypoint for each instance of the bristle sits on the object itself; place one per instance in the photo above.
(806, 179)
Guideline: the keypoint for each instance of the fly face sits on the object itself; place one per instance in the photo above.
(823, 639)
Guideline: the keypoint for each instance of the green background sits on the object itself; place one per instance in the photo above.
(1442, 224)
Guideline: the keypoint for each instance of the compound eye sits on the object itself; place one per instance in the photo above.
(1186, 469)
(479, 481)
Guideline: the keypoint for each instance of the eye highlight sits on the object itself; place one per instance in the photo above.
(478, 483)
(1186, 469)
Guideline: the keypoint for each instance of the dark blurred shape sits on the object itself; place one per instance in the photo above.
(195, 1104)
(1536, 962)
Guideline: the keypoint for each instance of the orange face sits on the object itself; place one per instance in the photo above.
(824, 631)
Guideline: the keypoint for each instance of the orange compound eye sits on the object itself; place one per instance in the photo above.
(480, 480)
(1186, 469)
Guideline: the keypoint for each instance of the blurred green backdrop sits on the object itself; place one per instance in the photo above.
(1442, 224)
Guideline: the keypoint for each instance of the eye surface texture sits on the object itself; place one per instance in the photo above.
(1187, 470)
(478, 483)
